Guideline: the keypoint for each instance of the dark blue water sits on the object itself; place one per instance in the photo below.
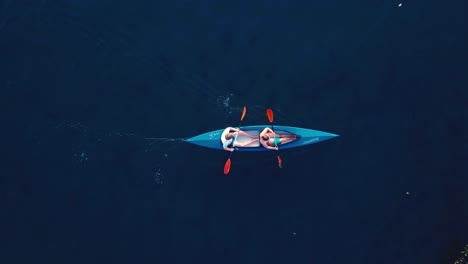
(88, 85)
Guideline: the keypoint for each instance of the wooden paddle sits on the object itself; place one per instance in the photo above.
(270, 118)
(227, 165)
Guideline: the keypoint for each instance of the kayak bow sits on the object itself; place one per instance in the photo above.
(305, 137)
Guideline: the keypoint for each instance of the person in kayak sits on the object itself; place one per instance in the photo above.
(229, 136)
(271, 140)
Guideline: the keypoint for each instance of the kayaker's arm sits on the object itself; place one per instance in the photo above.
(227, 142)
(228, 148)
(266, 145)
(264, 132)
(226, 145)
(272, 148)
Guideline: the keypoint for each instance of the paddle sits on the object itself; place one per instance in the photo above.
(227, 165)
(270, 118)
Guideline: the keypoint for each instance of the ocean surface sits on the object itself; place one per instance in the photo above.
(97, 97)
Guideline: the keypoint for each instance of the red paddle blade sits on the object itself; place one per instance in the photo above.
(270, 115)
(243, 113)
(227, 166)
(280, 162)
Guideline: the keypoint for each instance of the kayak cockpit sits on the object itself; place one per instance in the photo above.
(244, 139)
(255, 144)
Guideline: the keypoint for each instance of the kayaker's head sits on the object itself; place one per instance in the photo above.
(228, 136)
(265, 137)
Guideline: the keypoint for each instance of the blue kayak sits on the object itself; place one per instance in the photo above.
(304, 137)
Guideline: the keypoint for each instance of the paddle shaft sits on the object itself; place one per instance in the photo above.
(227, 165)
(270, 118)
(234, 141)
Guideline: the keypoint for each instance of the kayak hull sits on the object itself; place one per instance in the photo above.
(305, 137)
